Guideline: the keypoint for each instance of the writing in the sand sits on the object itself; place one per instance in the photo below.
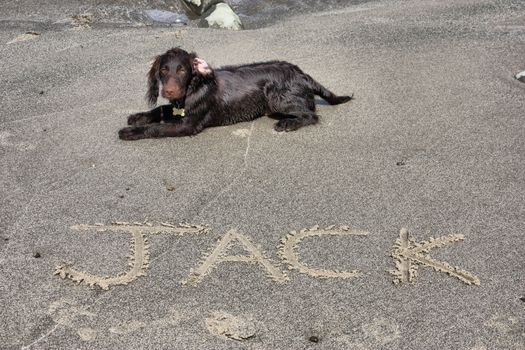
(407, 254)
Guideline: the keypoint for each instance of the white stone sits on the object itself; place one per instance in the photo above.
(224, 17)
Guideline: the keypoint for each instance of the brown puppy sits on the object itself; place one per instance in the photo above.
(203, 97)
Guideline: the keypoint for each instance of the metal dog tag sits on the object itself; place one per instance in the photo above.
(178, 111)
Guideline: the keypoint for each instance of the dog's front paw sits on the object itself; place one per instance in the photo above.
(132, 133)
(287, 125)
(139, 119)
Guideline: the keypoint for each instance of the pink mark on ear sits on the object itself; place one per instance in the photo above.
(200, 66)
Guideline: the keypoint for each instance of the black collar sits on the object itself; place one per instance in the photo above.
(178, 103)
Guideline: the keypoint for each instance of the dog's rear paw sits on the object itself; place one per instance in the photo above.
(139, 119)
(287, 125)
(131, 133)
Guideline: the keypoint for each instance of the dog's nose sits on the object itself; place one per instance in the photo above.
(171, 89)
(170, 92)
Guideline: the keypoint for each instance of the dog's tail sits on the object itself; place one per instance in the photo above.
(326, 94)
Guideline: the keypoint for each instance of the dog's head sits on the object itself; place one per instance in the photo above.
(174, 70)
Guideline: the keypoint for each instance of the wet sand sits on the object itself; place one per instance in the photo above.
(426, 164)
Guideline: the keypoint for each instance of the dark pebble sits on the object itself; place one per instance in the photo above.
(314, 339)
(37, 255)
(121, 196)
(41, 92)
(127, 188)
(520, 76)
(401, 163)
(522, 299)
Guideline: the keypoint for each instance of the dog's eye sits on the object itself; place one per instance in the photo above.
(164, 71)
(180, 69)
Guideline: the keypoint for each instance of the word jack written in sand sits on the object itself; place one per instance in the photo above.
(407, 254)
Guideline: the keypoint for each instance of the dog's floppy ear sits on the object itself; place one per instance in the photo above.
(199, 66)
(153, 82)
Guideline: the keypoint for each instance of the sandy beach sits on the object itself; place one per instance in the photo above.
(397, 222)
